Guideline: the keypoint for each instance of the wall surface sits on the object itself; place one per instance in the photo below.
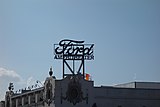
(74, 91)
(126, 97)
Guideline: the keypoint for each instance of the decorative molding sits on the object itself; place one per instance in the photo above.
(74, 92)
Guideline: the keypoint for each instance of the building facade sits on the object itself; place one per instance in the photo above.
(74, 91)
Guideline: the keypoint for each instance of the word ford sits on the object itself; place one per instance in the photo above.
(73, 48)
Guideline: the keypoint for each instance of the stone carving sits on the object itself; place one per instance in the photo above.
(74, 92)
(49, 93)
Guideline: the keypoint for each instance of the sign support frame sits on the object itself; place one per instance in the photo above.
(72, 50)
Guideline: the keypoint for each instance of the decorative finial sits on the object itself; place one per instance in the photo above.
(51, 72)
(11, 87)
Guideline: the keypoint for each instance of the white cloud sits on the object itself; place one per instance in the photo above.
(30, 81)
(7, 76)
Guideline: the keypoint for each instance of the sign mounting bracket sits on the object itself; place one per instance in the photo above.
(76, 51)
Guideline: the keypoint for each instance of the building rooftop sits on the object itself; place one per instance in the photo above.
(145, 85)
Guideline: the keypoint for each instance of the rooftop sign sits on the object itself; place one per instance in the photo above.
(73, 50)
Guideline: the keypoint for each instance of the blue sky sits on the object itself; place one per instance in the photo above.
(126, 34)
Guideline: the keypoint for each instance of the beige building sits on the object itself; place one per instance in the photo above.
(74, 91)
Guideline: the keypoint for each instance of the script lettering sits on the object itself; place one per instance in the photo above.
(72, 49)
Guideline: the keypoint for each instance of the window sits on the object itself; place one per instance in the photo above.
(40, 96)
(26, 99)
(94, 105)
(20, 101)
(32, 98)
(13, 102)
